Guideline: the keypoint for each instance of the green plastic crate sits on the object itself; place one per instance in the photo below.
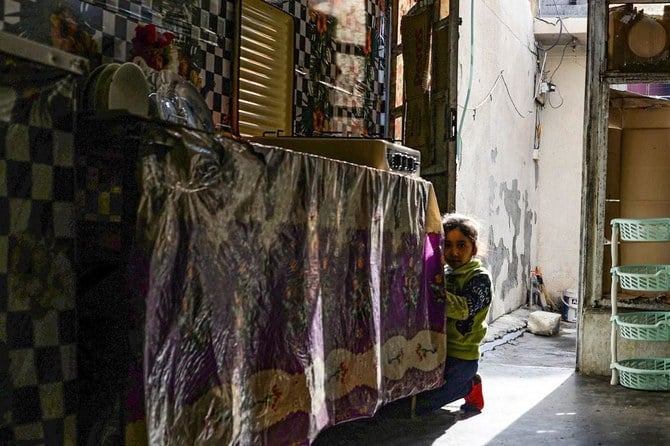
(643, 277)
(643, 230)
(644, 325)
(644, 374)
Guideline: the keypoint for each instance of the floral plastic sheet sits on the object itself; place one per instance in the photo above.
(285, 292)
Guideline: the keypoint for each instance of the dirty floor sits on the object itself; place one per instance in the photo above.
(533, 396)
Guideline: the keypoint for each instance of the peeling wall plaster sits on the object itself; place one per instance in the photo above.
(510, 264)
(497, 257)
(511, 198)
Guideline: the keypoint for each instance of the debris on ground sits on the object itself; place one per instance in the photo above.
(544, 323)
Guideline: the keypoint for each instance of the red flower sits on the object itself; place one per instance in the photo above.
(148, 35)
(145, 35)
(368, 42)
(276, 396)
(165, 39)
(151, 45)
(321, 23)
(319, 121)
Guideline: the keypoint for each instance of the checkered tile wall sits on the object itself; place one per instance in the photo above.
(344, 108)
(212, 28)
(112, 26)
(37, 291)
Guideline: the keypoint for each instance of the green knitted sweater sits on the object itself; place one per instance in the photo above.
(469, 295)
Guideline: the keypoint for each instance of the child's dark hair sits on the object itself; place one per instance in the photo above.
(468, 226)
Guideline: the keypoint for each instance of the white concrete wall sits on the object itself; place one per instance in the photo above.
(497, 176)
(559, 171)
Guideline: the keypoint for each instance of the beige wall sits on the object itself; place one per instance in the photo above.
(559, 171)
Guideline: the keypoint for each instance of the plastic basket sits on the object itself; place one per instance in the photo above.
(644, 374)
(644, 325)
(643, 230)
(643, 277)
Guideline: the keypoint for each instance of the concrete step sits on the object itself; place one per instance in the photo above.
(505, 329)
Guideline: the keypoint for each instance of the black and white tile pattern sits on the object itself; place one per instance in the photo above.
(37, 293)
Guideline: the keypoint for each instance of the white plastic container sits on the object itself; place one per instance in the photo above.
(570, 305)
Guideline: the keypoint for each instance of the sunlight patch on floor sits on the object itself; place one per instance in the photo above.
(509, 392)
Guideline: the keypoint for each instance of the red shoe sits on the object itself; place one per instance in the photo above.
(474, 401)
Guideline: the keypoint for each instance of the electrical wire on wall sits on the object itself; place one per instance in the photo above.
(538, 132)
(546, 86)
(459, 140)
(489, 97)
(558, 92)
(542, 80)
(553, 73)
(559, 21)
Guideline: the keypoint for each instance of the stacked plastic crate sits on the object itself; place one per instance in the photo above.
(640, 373)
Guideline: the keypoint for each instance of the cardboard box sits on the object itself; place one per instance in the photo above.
(645, 165)
(417, 123)
(416, 42)
(416, 49)
(638, 176)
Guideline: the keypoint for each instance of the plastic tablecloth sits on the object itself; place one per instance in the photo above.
(285, 292)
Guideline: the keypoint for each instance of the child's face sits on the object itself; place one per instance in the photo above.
(458, 249)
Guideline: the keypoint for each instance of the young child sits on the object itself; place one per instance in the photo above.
(469, 294)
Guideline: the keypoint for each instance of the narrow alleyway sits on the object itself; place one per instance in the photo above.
(533, 397)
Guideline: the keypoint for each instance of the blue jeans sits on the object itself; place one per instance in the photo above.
(458, 375)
